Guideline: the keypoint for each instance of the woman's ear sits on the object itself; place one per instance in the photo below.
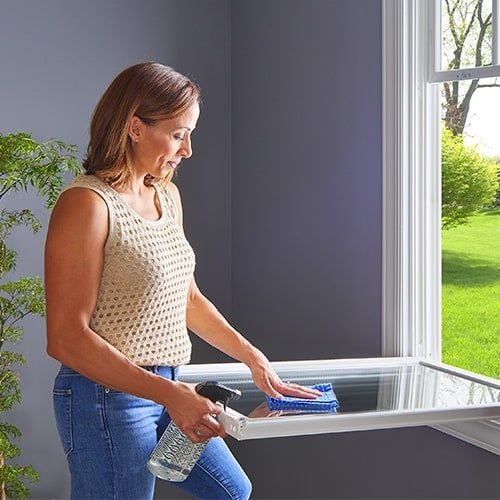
(135, 128)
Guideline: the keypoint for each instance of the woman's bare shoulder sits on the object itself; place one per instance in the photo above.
(81, 198)
(80, 208)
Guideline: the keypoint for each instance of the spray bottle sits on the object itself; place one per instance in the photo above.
(175, 454)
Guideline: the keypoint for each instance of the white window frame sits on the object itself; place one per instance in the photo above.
(411, 264)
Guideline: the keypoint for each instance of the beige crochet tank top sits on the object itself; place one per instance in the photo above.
(148, 266)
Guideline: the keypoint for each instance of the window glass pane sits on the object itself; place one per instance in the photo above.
(466, 26)
(471, 225)
(482, 125)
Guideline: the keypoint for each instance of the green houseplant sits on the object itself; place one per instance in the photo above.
(24, 164)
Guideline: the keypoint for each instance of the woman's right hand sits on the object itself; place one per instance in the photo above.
(194, 414)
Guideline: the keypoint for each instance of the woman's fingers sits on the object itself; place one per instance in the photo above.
(298, 391)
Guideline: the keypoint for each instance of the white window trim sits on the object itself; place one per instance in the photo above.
(412, 200)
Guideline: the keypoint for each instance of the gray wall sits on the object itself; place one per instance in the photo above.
(282, 200)
(307, 176)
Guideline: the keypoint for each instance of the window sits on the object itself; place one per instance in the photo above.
(412, 185)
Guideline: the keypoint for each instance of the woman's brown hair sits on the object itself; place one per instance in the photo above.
(150, 91)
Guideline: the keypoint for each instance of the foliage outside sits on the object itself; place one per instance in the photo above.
(469, 180)
(24, 163)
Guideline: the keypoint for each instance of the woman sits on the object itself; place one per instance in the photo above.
(120, 296)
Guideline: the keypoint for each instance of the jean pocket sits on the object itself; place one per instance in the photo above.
(62, 411)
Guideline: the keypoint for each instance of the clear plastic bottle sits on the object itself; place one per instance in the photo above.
(175, 454)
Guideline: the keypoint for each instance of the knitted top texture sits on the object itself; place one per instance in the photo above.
(148, 266)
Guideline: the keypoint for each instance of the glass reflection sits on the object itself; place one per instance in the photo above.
(408, 387)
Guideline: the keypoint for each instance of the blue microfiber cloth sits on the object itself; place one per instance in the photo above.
(327, 402)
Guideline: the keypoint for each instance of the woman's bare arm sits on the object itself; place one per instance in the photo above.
(204, 319)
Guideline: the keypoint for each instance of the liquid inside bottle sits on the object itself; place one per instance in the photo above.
(174, 455)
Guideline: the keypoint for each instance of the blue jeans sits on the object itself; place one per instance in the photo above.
(107, 437)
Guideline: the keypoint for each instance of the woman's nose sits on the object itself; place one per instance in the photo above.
(186, 149)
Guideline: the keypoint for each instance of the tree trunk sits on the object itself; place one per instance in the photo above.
(455, 112)
(2, 485)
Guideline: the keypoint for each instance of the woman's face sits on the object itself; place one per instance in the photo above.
(158, 149)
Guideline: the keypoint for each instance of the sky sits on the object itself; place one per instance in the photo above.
(483, 121)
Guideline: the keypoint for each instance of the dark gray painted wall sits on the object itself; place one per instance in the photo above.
(282, 200)
(307, 176)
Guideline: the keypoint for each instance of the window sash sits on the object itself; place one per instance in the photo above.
(435, 49)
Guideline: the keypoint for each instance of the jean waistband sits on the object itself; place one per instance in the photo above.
(170, 372)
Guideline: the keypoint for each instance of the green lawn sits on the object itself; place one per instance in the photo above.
(471, 295)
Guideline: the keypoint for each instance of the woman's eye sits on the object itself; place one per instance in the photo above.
(179, 137)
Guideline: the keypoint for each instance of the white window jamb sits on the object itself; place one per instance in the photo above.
(411, 179)
(411, 264)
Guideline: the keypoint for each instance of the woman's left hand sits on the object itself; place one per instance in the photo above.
(268, 381)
